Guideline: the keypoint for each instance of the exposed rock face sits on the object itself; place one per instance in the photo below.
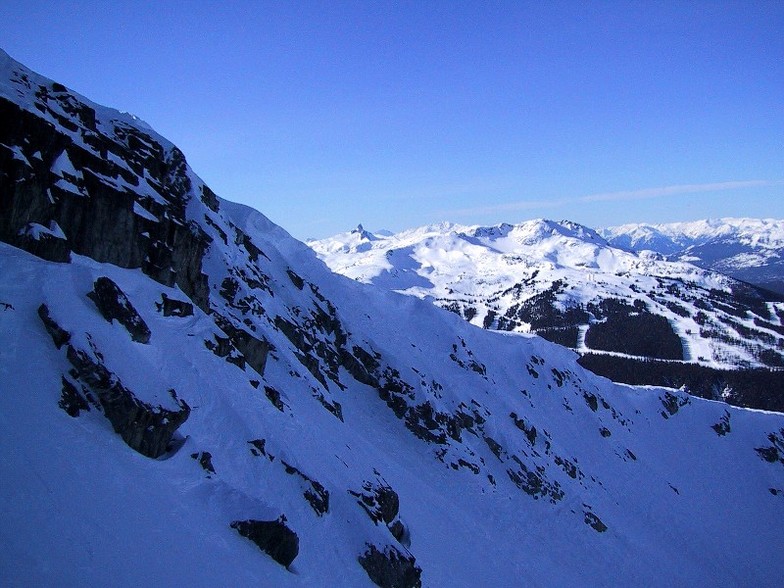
(259, 448)
(174, 307)
(114, 305)
(314, 492)
(673, 403)
(71, 401)
(380, 502)
(205, 461)
(67, 178)
(388, 503)
(391, 568)
(775, 451)
(253, 350)
(723, 426)
(47, 243)
(145, 428)
(595, 522)
(273, 537)
(59, 335)
(382, 505)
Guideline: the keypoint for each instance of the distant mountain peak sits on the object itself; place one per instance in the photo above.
(748, 249)
(363, 234)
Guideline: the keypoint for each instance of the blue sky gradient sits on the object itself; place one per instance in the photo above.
(397, 114)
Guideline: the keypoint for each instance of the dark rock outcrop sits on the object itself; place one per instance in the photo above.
(53, 180)
(205, 461)
(380, 502)
(594, 522)
(113, 304)
(145, 428)
(534, 482)
(173, 307)
(527, 428)
(273, 396)
(673, 403)
(59, 335)
(223, 347)
(273, 537)
(48, 244)
(210, 199)
(71, 401)
(382, 505)
(723, 426)
(390, 568)
(253, 350)
(315, 493)
(775, 451)
(258, 447)
(400, 532)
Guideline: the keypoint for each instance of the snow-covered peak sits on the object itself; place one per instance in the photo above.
(542, 229)
(364, 234)
(529, 276)
(446, 249)
(492, 233)
(58, 104)
(503, 237)
(767, 233)
(745, 248)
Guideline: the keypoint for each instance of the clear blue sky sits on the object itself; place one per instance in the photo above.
(397, 114)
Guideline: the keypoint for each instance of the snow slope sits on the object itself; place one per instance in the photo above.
(317, 398)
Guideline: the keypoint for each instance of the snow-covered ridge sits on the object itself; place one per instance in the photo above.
(564, 243)
(382, 440)
(766, 233)
(530, 276)
(23, 87)
(748, 249)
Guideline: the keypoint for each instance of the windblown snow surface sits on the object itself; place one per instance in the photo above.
(513, 465)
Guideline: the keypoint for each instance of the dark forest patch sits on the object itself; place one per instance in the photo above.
(633, 330)
(750, 388)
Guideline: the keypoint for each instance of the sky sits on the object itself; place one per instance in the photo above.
(323, 115)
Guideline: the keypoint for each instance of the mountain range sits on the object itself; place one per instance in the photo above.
(189, 396)
(751, 250)
(620, 308)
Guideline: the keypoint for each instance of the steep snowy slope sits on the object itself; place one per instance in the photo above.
(748, 249)
(189, 397)
(565, 282)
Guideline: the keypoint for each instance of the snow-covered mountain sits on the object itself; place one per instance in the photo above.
(565, 282)
(188, 396)
(747, 249)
